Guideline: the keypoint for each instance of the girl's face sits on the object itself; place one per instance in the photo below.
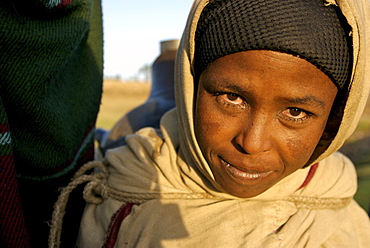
(259, 116)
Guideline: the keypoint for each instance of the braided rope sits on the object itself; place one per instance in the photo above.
(313, 203)
(60, 205)
(97, 190)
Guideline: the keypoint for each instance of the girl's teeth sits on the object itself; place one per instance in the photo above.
(242, 173)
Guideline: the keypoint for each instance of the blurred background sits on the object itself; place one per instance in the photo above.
(133, 31)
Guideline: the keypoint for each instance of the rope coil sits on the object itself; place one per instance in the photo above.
(93, 193)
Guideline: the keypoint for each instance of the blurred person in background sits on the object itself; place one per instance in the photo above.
(51, 71)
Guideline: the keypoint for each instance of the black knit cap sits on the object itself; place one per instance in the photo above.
(307, 28)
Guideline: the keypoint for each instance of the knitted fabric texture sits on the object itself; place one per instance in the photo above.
(50, 89)
(307, 28)
(44, 4)
(51, 86)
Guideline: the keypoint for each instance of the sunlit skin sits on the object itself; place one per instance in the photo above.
(259, 116)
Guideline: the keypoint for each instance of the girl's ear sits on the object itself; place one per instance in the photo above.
(332, 126)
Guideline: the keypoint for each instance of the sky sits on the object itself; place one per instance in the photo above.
(133, 30)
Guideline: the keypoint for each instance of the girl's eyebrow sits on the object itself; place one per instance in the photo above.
(236, 88)
(310, 100)
(232, 87)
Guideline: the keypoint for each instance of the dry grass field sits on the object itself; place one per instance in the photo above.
(119, 98)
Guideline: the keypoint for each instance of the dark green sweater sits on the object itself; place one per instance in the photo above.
(50, 90)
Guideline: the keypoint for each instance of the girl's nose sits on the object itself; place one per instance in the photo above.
(254, 135)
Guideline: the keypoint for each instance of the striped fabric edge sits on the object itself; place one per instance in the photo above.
(51, 4)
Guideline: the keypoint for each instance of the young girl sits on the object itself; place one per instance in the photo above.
(267, 92)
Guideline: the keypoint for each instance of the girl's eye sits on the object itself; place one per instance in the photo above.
(231, 99)
(296, 114)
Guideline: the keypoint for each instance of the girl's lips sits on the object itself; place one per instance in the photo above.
(243, 175)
